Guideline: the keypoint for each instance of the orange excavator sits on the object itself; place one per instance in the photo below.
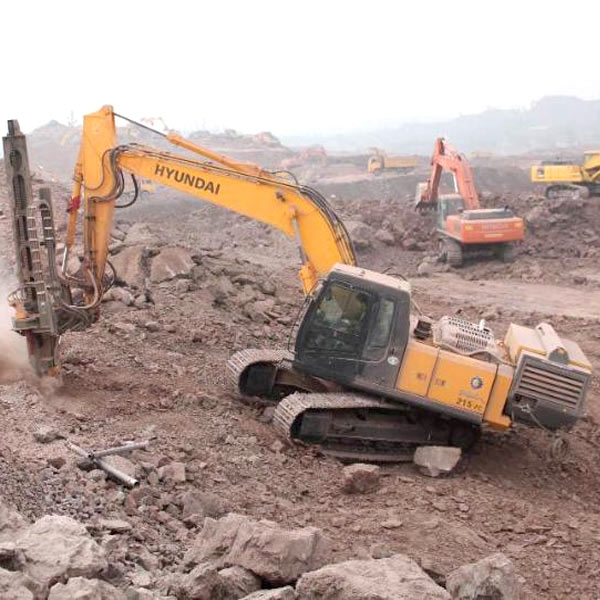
(464, 228)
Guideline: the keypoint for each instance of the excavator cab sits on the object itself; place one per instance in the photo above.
(449, 204)
(355, 328)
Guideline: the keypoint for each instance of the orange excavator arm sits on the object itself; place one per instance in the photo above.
(447, 159)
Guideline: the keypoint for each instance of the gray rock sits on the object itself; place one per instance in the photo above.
(129, 265)
(204, 504)
(436, 460)
(284, 593)
(11, 523)
(121, 463)
(267, 287)
(202, 583)
(385, 236)
(115, 525)
(360, 478)
(425, 269)
(173, 472)
(46, 434)
(85, 589)
(55, 547)
(394, 578)
(152, 326)
(275, 554)
(182, 286)
(492, 577)
(238, 582)
(15, 586)
(172, 262)
(119, 294)
(141, 578)
(361, 234)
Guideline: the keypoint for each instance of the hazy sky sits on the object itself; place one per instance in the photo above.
(292, 67)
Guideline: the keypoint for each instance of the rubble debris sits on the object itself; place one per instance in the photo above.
(491, 577)
(436, 460)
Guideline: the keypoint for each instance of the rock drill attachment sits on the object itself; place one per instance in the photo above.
(34, 301)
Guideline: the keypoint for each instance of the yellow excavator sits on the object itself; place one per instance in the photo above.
(563, 177)
(367, 377)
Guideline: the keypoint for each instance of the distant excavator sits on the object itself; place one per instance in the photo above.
(564, 178)
(367, 378)
(464, 228)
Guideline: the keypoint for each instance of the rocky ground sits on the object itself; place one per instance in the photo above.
(153, 369)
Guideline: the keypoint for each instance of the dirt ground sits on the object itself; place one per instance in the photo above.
(158, 373)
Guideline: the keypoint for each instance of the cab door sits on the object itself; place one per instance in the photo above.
(331, 339)
(386, 342)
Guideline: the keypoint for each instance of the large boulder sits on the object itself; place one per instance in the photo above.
(11, 522)
(172, 262)
(129, 266)
(275, 554)
(492, 577)
(55, 547)
(78, 588)
(394, 578)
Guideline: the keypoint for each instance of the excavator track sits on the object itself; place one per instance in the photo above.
(347, 425)
(354, 427)
(240, 362)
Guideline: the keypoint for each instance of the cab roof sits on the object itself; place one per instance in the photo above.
(372, 277)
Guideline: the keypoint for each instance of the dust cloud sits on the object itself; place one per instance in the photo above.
(14, 363)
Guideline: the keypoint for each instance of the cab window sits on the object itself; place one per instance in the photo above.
(339, 320)
(382, 326)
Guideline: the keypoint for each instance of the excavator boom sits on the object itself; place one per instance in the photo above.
(299, 212)
(446, 158)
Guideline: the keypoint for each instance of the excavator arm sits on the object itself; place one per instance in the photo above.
(447, 159)
(299, 212)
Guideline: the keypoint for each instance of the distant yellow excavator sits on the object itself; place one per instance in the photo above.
(563, 177)
(366, 378)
